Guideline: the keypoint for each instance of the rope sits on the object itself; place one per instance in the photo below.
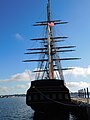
(66, 104)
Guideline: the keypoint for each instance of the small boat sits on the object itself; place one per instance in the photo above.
(48, 92)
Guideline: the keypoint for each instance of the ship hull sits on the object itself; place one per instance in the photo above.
(49, 108)
(48, 96)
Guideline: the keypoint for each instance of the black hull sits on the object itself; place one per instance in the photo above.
(48, 96)
(56, 107)
(50, 108)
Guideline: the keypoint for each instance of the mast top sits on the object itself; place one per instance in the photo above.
(48, 1)
(48, 11)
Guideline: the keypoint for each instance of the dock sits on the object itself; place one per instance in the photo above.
(81, 97)
(81, 100)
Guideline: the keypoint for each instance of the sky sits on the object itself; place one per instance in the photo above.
(16, 19)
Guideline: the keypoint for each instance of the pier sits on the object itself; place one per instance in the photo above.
(81, 100)
(81, 97)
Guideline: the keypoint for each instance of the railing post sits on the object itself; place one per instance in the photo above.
(87, 96)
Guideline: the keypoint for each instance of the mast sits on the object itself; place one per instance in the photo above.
(49, 62)
(50, 57)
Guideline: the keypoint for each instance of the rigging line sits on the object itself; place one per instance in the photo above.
(43, 31)
(57, 76)
(46, 72)
(43, 73)
(58, 64)
(59, 68)
(37, 67)
(57, 30)
(59, 33)
(58, 102)
(40, 65)
(32, 43)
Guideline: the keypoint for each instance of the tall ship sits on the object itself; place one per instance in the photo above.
(48, 92)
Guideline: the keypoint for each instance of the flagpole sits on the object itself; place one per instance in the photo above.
(48, 10)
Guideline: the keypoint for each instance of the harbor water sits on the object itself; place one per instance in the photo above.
(15, 108)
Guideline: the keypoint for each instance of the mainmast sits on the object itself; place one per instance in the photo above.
(50, 57)
(50, 61)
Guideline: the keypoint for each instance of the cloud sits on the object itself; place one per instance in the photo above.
(79, 71)
(19, 36)
(28, 75)
(17, 83)
(80, 84)
(75, 86)
(4, 89)
(76, 79)
(21, 86)
(25, 76)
